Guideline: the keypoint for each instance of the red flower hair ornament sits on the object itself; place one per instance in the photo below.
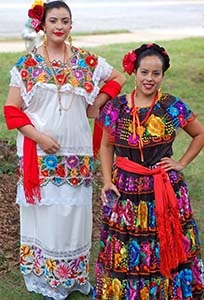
(36, 14)
(129, 62)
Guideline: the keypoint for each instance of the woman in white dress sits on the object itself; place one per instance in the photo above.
(53, 90)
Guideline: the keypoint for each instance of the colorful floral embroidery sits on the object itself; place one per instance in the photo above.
(33, 69)
(159, 127)
(65, 272)
(74, 170)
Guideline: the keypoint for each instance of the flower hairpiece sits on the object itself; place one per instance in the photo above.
(36, 14)
(129, 62)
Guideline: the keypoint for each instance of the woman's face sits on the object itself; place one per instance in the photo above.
(149, 75)
(57, 24)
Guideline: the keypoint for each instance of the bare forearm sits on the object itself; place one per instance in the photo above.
(193, 150)
(93, 110)
(30, 132)
(106, 157)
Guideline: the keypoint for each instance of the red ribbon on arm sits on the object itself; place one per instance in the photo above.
(170, 234)
(16, 118)
(112, 88)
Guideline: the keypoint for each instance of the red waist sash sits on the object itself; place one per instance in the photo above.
(167, 215)
(16, 118)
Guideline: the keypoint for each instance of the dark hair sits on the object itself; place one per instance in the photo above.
(55, 4)
(150, 50)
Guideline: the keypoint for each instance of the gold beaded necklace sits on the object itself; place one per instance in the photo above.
(60, 80)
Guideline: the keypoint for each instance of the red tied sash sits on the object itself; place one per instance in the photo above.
(169, 227)
(16, 118)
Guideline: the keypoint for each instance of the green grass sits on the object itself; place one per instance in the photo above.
(185, 78)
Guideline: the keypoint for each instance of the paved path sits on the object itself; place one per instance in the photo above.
(107, 39)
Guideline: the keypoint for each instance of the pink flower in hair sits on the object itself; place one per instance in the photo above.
(34, 23)
(129, 62)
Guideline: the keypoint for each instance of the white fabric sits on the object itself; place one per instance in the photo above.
(62, 232)
(51, 229)
(39, 285)
(70, 128)
(61, 225)
(65, 194)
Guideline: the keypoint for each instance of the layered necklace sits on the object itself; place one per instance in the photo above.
(60, 79)
(137, 125)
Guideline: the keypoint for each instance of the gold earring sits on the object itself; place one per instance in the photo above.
(70, 40)
(44, 37)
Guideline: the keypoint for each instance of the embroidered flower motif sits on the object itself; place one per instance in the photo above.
(84, 171)
(25, 251)
(72, 161)
(21, 61)
(60, 171)
(56, 64)
(51, 162)
(78, 74)
(91, 61)
(63, 271)
(155, 126)
(42, 77)
(82, 63)
(88, 87)
(61, 78)
(133, 140)
(29, 86)
(73, 81)
(37, 72)
(30, 62)
(181, 120)
(24, 74)
(128, 213)
(134, 253)
(50, 264)
(74, 181)
(173, 111)
(116, 285)
(129, 62)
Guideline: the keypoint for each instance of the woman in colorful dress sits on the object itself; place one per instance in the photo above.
(51, 89)
(149, 245)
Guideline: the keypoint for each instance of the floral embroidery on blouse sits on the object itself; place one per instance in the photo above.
(168, 115)
(33, 69)
(73, 170)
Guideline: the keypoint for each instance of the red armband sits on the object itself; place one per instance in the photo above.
(111, 88)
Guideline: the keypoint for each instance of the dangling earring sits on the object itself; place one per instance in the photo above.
(44, 37)
(70, 40)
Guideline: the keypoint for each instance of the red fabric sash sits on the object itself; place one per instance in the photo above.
(169, 227)
(16, 118)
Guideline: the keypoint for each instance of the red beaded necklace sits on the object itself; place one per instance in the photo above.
(138, 129)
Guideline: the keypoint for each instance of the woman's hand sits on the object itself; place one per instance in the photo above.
(106, 188)
(168, 164)
(47, 144)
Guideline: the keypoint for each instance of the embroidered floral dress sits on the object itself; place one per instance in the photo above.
(56, 233)
(128, 265)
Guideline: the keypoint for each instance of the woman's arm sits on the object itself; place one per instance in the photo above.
(117, 80)
(107, 158)
(196, 131)
(46, 143)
